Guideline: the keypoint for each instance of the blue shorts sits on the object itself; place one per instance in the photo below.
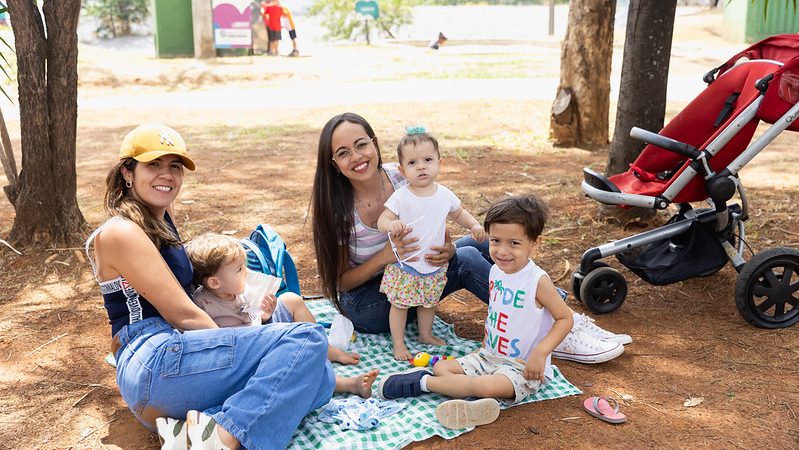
(281, 314)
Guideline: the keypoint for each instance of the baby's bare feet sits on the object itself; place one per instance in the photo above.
(363, 384)
(432, 340)
(338, 355)
(401, 352)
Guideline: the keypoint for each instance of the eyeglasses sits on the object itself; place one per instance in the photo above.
(344, 155)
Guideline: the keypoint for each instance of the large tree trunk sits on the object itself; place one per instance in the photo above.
(644, 77)
(580, 111)
(47, 212)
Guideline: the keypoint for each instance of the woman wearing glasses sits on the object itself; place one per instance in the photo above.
(350, 187)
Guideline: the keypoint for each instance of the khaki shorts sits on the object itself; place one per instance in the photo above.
(485, 363)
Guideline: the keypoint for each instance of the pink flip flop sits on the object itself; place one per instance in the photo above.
(600, 407)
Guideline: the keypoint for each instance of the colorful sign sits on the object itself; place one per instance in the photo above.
(232, 23)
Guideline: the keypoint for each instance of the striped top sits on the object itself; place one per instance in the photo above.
(365, 241)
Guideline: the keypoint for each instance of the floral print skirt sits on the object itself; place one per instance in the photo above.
(405, 290)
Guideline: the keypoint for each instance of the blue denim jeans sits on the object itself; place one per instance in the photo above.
(257, 382)
(368, 308)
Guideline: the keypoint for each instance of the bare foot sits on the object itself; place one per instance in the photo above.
(432, 340)
(338, 355)
(401, 352)
(227, 439)
(361, 384)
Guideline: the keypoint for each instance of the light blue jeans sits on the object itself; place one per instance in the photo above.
(257, 382)
(368, 308)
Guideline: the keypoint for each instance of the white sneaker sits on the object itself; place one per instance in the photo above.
(202, 432)
(172, 433)
(585, 323)
(582, 347)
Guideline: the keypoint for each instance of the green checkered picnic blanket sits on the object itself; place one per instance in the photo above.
(417, 421)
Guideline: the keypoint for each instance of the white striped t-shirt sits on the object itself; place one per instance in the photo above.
(365, 241)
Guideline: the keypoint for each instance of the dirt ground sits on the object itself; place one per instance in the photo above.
(256, 165)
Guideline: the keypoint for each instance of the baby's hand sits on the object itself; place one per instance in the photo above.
(396, 226)
(478, 232)
(268, 305)
(534, 369)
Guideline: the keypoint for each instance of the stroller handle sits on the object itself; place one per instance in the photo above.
(669, 144)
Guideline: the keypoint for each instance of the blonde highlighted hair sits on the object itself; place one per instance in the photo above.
(120, 202)
(208, 252)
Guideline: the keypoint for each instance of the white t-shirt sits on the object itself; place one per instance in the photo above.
(428, 218)
(515, 325)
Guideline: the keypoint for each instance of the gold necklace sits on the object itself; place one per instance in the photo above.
(381, 194)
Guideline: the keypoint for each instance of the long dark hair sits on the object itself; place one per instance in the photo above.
(333, 204)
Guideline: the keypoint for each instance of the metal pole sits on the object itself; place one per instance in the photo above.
(366, 25)
(551, 17)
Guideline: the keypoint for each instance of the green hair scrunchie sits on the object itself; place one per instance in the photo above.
(415, 129)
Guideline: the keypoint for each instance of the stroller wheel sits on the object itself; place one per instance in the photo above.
(603, 290)
(767, 289)
(576, 282)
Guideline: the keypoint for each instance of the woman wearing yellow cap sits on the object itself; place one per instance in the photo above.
(250, 385)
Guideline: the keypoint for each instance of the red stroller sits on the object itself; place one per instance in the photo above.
(697, 157)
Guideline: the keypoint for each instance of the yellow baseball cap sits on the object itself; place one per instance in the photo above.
(153, 140)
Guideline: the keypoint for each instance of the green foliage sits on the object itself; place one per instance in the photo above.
(116, 16)
(341, 21)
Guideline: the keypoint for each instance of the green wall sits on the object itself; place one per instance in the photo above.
(173, 28)
(745, 22)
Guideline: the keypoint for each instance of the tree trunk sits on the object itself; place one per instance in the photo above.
(642, 93)
(47, 211)
(644, 77)
(580, 112)
(8, 161)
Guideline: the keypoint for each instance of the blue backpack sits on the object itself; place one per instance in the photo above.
(266, 253)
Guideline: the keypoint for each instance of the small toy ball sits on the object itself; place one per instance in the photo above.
(421, 359)
(436, 359)
(449, 357)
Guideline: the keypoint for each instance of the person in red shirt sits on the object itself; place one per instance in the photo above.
(272, 13)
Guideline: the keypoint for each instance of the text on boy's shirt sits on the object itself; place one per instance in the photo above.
(497, 322)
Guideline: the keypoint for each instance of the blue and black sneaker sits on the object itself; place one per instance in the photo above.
(403, 384)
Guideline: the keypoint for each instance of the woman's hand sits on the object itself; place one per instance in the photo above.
(445, 252)
(404, 245)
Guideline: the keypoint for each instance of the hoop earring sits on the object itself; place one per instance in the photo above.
(128, 184)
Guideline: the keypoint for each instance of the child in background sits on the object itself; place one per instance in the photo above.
(288, 24)
(271, 12)
(276, 17)
(220, 267)
(435, 44)
(424, 206)
(527, 319)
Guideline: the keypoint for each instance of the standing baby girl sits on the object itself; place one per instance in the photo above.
(422, 206)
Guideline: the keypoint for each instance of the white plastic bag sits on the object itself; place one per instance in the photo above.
(256, 286)
(340, 332)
